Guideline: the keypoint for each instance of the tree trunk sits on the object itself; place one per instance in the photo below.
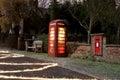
(20, 38)
(21, 26)
(118, 36)
(89, 30)
(88, 36)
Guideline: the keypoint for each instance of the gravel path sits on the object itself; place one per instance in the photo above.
(19, 67)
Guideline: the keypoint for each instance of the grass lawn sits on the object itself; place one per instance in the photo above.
(94, 68)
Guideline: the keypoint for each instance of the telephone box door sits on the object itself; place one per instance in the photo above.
(52, 40)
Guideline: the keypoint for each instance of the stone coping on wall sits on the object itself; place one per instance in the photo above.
(111, 45)
(78, 43)
(84, 44)
(98, 34)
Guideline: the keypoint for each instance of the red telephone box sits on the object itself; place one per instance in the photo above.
(57, 38)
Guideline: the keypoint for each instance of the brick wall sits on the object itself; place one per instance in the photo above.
(82, 50)
(111, 53)
(78, 49)
(108, 53)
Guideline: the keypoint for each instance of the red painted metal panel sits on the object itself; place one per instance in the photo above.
(97, 45)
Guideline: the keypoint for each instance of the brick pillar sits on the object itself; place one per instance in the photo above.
(97, 44)
(104, 45)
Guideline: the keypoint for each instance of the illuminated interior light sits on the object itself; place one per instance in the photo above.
(62, 32)
(61, 29)
(61, 51)
(52, 38)
(51, 45)
(52, 29)
(51, 42)
(61, 42)
(61, 48)
(61, 35)
(61, 39)
(52, 35)
(52, 32)
(61, 45)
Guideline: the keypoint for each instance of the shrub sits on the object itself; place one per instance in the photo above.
(12, 41)
(70, 47)
(44, 38)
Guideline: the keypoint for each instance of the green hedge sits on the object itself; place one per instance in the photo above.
(44, 38)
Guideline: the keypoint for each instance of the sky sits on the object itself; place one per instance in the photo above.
(117, 3)
(47, 2)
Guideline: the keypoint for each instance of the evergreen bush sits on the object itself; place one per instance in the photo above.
(44, 38)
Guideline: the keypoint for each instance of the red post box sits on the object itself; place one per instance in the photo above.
(57, 38)
(97, 43)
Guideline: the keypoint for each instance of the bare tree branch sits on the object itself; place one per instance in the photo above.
(78, 20)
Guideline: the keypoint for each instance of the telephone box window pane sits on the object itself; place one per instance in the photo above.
(61, 30)
(61, 49)
(52, 32)
(61, 39)
(61, 35)
(61, 42)
(52, 35)
(51, 45)
(52, 38)
(52, 29)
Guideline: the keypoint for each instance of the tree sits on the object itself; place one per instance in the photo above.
(11, 10)
(53, 10)
(18, 10)
(43, 3)
(117, 19)
(88, 12)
